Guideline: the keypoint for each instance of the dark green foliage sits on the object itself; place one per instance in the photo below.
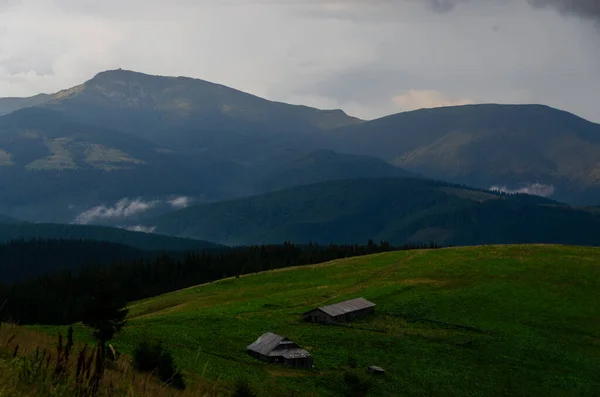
(26, 259)
(243, 389)
(154, 357)
(352, 360)
(398, 210)
(21, 259)
(356, 385)
(104, 308)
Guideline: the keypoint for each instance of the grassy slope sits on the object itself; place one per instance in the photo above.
(535, 308)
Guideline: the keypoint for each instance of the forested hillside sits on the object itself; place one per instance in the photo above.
(399, 210)
(325, 166)
(27, 259)
(139, 240)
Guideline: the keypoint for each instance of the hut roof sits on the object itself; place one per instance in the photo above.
(266, 343)
(345, 307)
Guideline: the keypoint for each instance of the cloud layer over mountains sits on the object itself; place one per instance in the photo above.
(129, 207)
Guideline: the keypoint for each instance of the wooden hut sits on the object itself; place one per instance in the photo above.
(340, 312)
(280, 350)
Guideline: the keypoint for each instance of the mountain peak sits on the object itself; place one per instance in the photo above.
(121, 72)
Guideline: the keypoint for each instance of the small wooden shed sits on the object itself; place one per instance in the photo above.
(340, 312)
(280, 350)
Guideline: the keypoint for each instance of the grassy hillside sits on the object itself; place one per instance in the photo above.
(478, 321)
(398, 210)
(488, 145)
(144, 241)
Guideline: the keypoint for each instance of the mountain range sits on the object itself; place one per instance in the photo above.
(515, 147)
(125, 146)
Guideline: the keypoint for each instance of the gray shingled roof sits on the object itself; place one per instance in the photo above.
(266, 343)
(348, 306)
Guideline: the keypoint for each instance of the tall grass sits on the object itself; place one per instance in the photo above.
(34, 364)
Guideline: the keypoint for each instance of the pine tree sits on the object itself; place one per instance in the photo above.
(104, 310)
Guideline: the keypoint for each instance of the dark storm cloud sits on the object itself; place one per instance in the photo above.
(583, 8)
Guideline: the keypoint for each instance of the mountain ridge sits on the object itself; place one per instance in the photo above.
(488, 145)
(398, 210)
(139, 240)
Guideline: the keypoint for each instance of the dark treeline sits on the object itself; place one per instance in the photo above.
(25, 259)
(58, 298)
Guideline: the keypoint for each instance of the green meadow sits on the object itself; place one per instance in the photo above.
(477, 321)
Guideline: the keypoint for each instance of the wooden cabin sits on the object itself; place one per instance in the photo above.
(280, 350)
(340, 312)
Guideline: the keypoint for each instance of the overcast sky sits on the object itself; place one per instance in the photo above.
(368, 57)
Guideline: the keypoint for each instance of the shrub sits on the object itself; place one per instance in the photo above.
(352, 361)
(243, 389)
(149, 357)
(356, 385)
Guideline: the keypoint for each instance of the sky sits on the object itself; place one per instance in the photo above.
(369, 57)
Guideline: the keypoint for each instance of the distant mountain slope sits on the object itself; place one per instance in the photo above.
(144, 241)
(7, 219)
(511, 146)
(196, 116)
(325, 166)
(8, 105)
(56, 167)
(399, 210)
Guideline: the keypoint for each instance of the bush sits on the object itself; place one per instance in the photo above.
(356, 385)
(148, 357)
(352, 361)
(242, 389)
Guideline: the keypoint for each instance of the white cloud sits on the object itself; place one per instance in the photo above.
(419, 99)
(141, 228)
(180, 202)
(535, 189)
(121, 209)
